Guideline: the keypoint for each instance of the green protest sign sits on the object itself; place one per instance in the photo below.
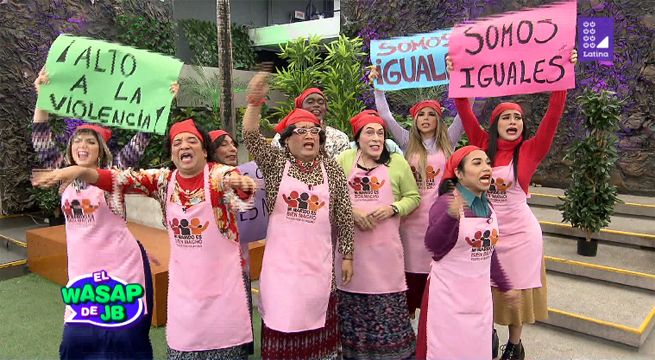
(110, 84)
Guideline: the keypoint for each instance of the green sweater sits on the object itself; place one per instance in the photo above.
(405, 191)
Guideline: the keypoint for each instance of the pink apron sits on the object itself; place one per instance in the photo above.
(207, 302)
(97, 239)
(460, 309)
(296, 277)
(414, 226)
(521, 251)
(378, 265)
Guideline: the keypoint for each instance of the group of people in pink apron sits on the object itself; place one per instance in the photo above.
(461, 221)
(208, 315)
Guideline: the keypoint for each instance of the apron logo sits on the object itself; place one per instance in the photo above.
(188, 233)
(366, 188)
(482, 244)
(79, 211)
(498, 189)
(102, 300)
(302, 206)
(430, 175)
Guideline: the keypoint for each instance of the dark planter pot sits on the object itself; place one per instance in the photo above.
(56, 220)
(587, 248)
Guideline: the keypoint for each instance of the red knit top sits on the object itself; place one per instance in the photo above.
(533, 150)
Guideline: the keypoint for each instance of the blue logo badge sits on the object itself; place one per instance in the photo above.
(595, 39)
(102, 300)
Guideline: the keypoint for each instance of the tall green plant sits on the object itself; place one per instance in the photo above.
(334, 67)
(589, 201)
(304, 66)
(341, 80)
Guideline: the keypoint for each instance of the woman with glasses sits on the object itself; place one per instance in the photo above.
(373, 318)
(306, 199)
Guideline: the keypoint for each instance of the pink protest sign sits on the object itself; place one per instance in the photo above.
(520, 52)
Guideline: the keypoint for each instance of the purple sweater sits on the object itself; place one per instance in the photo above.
(443, 232)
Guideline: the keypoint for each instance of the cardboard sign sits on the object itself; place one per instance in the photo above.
(416, 61)
(521, 52)
(596, 39)
(110, 84)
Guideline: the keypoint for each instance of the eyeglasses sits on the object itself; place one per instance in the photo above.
(303, 131)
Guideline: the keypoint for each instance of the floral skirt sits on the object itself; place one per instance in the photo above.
(319, 344)
(375, 326)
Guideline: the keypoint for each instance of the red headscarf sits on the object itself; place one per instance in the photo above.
(503, 107)
(294, 117)
(425, 103)
(455, 159)
(187, 126)
(364, 118)
(299, 100)
(218, 133)
(103, 132)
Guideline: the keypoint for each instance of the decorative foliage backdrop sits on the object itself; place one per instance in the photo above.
(201, 36)
(26, 32)
(632, 75)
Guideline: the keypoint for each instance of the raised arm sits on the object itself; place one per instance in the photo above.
(133, 151)
(264, 155)
(456, 129)
(538, 146)
(44, 143)
(42, 140)
(474, 132)
(399, 133)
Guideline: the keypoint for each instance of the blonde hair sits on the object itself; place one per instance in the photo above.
(104, 155)
(415, 147)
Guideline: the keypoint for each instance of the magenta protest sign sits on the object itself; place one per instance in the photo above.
(521, 52)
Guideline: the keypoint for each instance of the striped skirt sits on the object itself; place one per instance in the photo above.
(319, 344)
(375, 327)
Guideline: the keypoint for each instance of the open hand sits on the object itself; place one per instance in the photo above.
(258, 88)
(40, 80)
(373, 74)
(449, 63)
(574, 56)
(46, 178)
(175, 88)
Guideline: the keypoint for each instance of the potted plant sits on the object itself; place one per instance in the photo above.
(589, 201)
(49, 201)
